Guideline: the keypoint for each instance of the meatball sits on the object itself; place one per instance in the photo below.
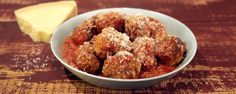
(156, 71)
(122, 65)
(86, 59)
(170, 50)
(84, 31)
(110, 19)
(109, 42)
(137, 26)
(68, 50)
(144, 50)
(157, 30)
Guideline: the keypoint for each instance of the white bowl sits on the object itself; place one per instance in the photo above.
(173, 26)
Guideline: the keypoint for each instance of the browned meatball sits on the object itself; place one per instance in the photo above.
(158, 31)
(170, 50)
(110, 19)
(137, 26)
(84, 31)
(156, 71)
(143, 50)
(122, 65)
(109, 42)
(86, 59)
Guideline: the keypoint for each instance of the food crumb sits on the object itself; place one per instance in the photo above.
(33, 60)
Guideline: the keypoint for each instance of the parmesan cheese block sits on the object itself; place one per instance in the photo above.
(40, 21)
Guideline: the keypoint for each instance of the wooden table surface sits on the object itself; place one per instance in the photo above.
(30, 67)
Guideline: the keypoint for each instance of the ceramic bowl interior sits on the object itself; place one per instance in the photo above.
(173, 27)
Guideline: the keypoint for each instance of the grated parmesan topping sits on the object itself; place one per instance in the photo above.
(121, 39)
(124, 53)
(139, 19)
(85, 49)
(125, 41)
(141, 41)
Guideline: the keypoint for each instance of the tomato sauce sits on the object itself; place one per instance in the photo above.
(68, 51)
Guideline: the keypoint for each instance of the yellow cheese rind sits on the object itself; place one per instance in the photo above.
(40, 21)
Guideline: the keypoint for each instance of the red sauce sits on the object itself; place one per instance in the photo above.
(68, 50)
(156, 71)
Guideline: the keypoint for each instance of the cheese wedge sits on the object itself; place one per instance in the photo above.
(40, 21)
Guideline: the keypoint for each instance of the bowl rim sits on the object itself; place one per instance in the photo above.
(125, 80)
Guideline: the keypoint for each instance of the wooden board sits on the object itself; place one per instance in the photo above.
(29, 67)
